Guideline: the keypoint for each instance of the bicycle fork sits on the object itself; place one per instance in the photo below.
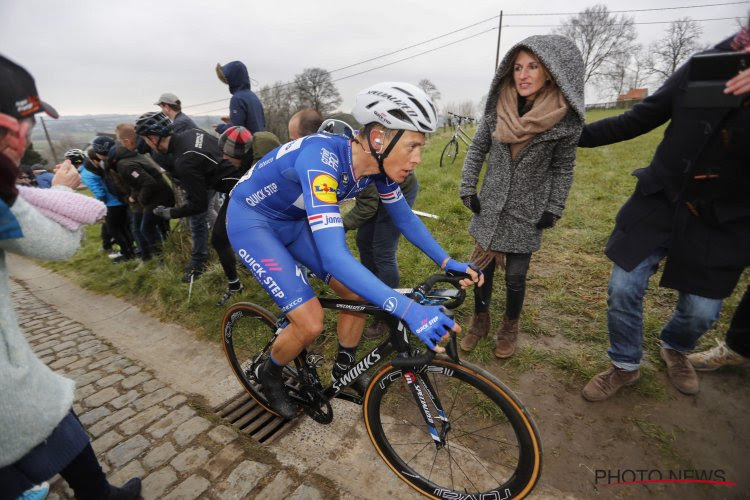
(422, 391)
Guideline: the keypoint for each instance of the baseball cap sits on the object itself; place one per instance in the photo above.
(18, 95)
(167, 98)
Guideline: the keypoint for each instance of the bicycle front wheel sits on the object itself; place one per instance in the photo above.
(450, 152)
(246, 330)
(491, 447)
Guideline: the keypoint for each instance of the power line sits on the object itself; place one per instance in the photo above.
(505, 26)
(628, 10)
(613, 24)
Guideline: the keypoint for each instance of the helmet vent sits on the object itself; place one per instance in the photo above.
(400, 115)
(417, 104)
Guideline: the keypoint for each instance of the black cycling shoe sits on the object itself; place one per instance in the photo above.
(228, 294)
(271, 378)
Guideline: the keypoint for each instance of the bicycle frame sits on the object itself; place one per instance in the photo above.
(397, 341)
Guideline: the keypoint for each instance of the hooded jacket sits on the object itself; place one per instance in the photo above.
(515, 193)
(93, 177)
(145, 182)
(707, 245)
(245, 109)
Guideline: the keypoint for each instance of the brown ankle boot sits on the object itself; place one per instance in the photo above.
(506, 338)
(480, 326)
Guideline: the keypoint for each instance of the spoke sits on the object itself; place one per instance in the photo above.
(417, 453)
(451, 460)
(473, 455)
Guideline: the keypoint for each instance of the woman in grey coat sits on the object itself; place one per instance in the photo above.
(530, 129)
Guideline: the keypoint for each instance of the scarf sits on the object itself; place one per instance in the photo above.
(70, 210)
(741, 40)
(548, 109)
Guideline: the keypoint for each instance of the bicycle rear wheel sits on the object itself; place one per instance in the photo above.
(492, 448)
(246, 329)
(450, 152)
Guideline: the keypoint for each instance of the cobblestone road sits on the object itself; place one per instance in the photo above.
(139, 426)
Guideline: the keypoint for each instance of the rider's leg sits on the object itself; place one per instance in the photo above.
(305, 324)
(350, 324)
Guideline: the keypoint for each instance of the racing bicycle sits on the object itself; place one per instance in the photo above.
(450, 152)
(444, 426)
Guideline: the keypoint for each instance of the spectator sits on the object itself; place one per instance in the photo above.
(530, 128)
(172, 107)
(304, 122)
(199, 167)
(245, 109)
(198, 223)
(26, 176)
(146, 185)
(92, 176)
(735, 349)
(690, 206)
(40, 434)
(263, 143)
(119, 221)
(42, 175)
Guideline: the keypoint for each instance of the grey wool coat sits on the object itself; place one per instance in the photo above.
(515, 193)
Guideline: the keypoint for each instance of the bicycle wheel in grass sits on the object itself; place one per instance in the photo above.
(492, 447)
(450, 152)
(246, 329)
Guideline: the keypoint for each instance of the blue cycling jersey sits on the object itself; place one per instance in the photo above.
(286, 209)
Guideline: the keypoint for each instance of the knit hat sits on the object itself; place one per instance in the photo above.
(236, 141)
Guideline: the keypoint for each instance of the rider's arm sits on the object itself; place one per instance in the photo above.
(475, 159)
(408, 223)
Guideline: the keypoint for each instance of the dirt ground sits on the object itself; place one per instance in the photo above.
(587, 446)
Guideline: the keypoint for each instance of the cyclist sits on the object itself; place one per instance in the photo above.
(285, 210)
(76, 157)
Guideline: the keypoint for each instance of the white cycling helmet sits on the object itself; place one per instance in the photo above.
(397, 106)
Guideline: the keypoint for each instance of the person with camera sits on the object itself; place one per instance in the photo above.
(690, 209)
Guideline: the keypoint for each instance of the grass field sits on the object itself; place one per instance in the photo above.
(565, 311)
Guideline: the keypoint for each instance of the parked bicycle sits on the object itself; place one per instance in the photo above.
(444, 426)
(450, 152)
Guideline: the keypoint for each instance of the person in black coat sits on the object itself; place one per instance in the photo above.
(690, 206)
(200, 168)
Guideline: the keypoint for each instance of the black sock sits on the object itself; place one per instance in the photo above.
(235, 284)
(344, 360)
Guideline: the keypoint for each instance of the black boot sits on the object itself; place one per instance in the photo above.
(128, 491)
(272, 379)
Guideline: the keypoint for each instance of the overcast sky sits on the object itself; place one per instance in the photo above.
(91, 57)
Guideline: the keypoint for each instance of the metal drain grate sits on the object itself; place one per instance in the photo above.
(246, 414)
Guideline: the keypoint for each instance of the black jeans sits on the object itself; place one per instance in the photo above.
(220, 242)
(516, 266)
(738, 335)
(117, 226)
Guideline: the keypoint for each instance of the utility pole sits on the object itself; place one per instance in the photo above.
(51, 147)
(499, 32)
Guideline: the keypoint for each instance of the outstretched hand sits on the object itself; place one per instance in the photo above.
(476, 277)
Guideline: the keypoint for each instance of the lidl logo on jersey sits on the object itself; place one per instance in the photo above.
(323, 187)
(324, 221)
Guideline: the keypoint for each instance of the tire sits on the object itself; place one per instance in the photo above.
(450, 152)
(246, 329)
(492, 449)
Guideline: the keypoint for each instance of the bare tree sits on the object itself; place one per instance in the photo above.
(626, 71)
(682, 39)
(600, 36)
(278, 105)
(313, 88)
(430, 89)
(463, 108)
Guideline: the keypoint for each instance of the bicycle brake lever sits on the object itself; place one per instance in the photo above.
(451, 349)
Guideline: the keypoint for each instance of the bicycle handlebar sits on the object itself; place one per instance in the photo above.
(422, 291)
(467, 118)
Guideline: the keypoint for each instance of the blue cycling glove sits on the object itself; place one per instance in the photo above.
(454, 266)
(428, 323)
